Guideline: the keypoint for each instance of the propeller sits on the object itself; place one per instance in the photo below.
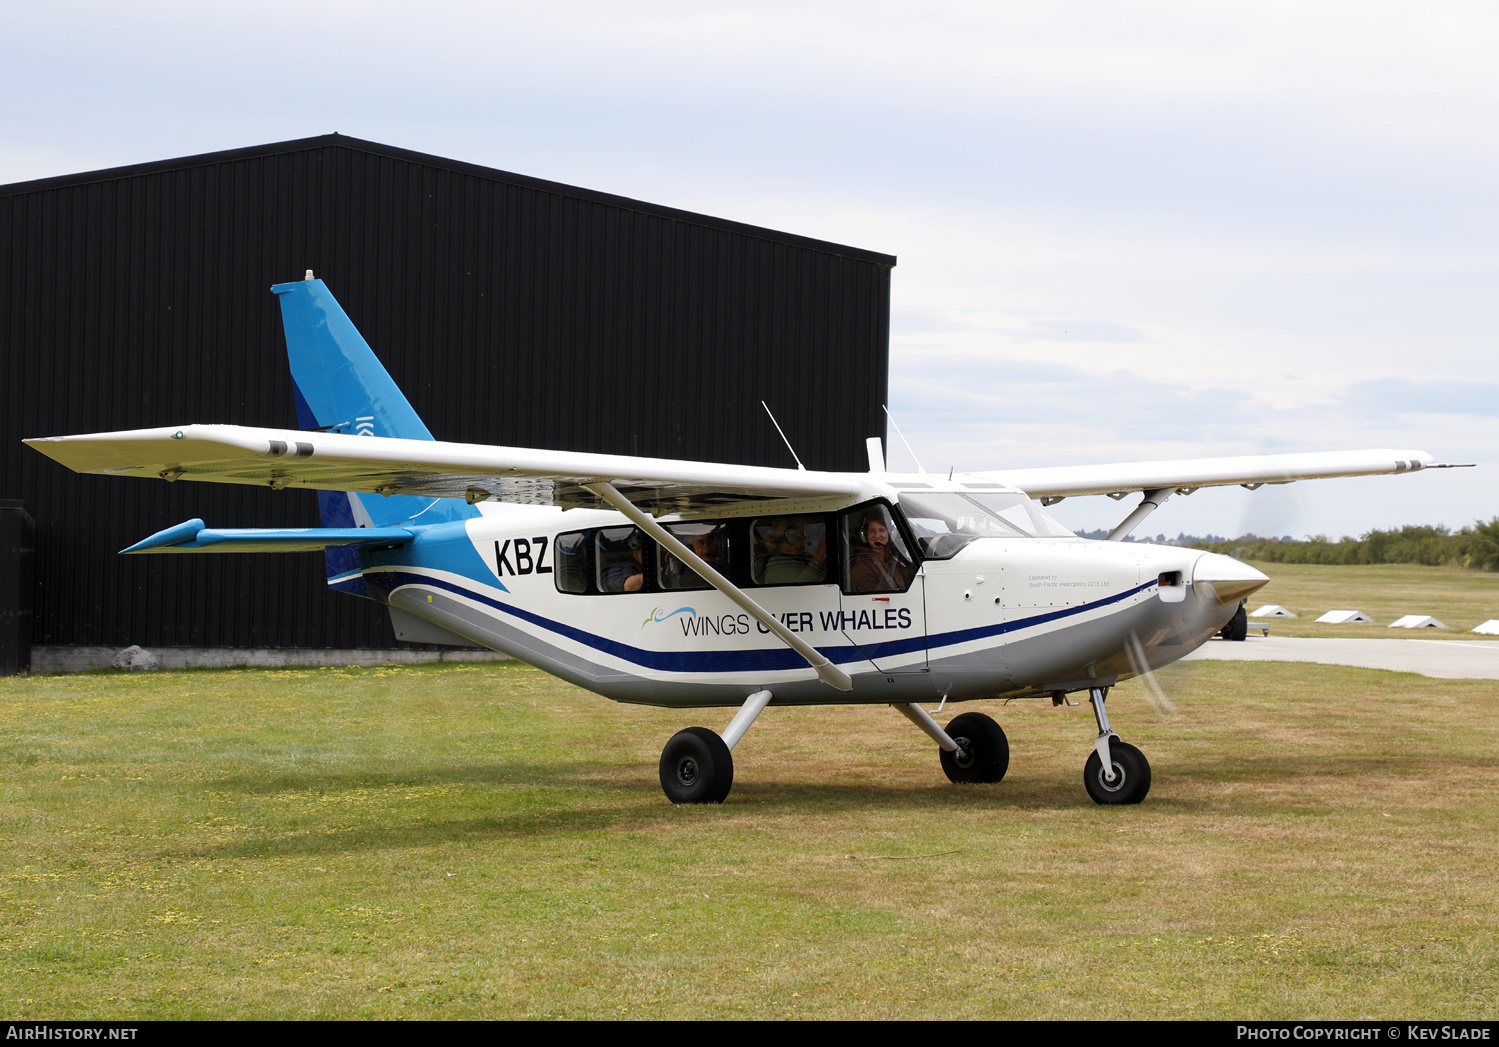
(1140, 666)
(1276, 509)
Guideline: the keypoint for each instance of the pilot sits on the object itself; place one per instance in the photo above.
(877, 565)
(786, 560)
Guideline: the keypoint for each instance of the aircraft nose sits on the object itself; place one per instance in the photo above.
(1230, 579)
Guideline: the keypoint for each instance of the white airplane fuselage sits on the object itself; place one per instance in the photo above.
(1003, 617)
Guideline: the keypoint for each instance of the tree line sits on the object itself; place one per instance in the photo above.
(1476, 546)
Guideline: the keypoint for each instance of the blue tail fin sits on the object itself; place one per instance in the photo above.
(341, 386)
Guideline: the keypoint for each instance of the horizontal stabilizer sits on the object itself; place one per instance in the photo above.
(192, 536)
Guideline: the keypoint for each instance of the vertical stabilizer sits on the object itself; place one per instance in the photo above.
(341, 386)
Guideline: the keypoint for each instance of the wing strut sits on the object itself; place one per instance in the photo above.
(829, 673)
(1152, 501)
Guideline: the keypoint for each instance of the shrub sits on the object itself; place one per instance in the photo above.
(1473, 547)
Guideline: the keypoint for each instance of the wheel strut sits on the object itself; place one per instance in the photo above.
(745, 718)
(1116, 772)
(923, 719)
(1097, 695)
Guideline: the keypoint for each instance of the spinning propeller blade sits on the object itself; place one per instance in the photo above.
(1163, 706)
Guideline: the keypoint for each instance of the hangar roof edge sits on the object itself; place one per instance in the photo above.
(395, 152)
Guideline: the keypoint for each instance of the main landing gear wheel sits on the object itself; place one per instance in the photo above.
(1131, 775)
(1237, 627)
(696, 767)
(985, 751)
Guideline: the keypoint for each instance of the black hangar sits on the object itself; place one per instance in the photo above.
(511, 310)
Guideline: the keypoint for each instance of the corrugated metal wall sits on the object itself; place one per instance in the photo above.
(510, 310)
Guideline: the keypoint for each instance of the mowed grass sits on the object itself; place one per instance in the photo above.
(1458, 597)
(486, 841)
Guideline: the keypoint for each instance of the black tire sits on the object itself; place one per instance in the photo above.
(1128, 787)
(696, 767)
(986, 750)
(1237, 627)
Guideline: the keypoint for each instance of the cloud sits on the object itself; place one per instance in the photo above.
(1402, 396)
(938, 393)
(912, 323)
(1126, 230)
(1078, 331)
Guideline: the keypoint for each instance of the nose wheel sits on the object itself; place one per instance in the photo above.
(1131, 779)
(1127, 777)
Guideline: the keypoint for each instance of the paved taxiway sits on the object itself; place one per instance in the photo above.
(1443, 659)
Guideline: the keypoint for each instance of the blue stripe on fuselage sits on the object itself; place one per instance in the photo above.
(738, 661)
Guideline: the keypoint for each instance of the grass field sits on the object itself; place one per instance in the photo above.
(1458, 597)
(485, 841)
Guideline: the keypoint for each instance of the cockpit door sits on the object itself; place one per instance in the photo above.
(883, 592)
(889, 628)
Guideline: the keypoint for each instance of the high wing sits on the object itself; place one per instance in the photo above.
(1187, 475)
(640, 488)
(280, 458)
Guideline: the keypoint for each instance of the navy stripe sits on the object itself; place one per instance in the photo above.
(964, 635)
(666, 661)
(906, 646)
(740, 661)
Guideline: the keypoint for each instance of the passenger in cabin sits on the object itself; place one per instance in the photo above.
(624, 573)
(703, 539)
(876, 565)
(787, 559)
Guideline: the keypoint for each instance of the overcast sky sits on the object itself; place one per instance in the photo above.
(1125, 230)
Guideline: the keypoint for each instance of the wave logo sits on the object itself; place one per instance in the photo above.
(659, 615)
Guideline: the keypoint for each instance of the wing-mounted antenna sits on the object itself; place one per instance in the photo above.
(876, 451)
(919, 467)
(777, 424)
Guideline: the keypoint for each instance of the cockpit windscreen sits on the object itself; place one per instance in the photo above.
(944, 523)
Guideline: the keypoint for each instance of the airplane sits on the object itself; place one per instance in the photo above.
(695, 585)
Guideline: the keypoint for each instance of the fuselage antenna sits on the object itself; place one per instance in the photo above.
(919, 467)
(777, 424)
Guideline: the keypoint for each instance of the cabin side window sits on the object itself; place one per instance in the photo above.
(789, 550)
(784, 550)
(876, 558)
(708, 540)
(619, 559)
(571, 562)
